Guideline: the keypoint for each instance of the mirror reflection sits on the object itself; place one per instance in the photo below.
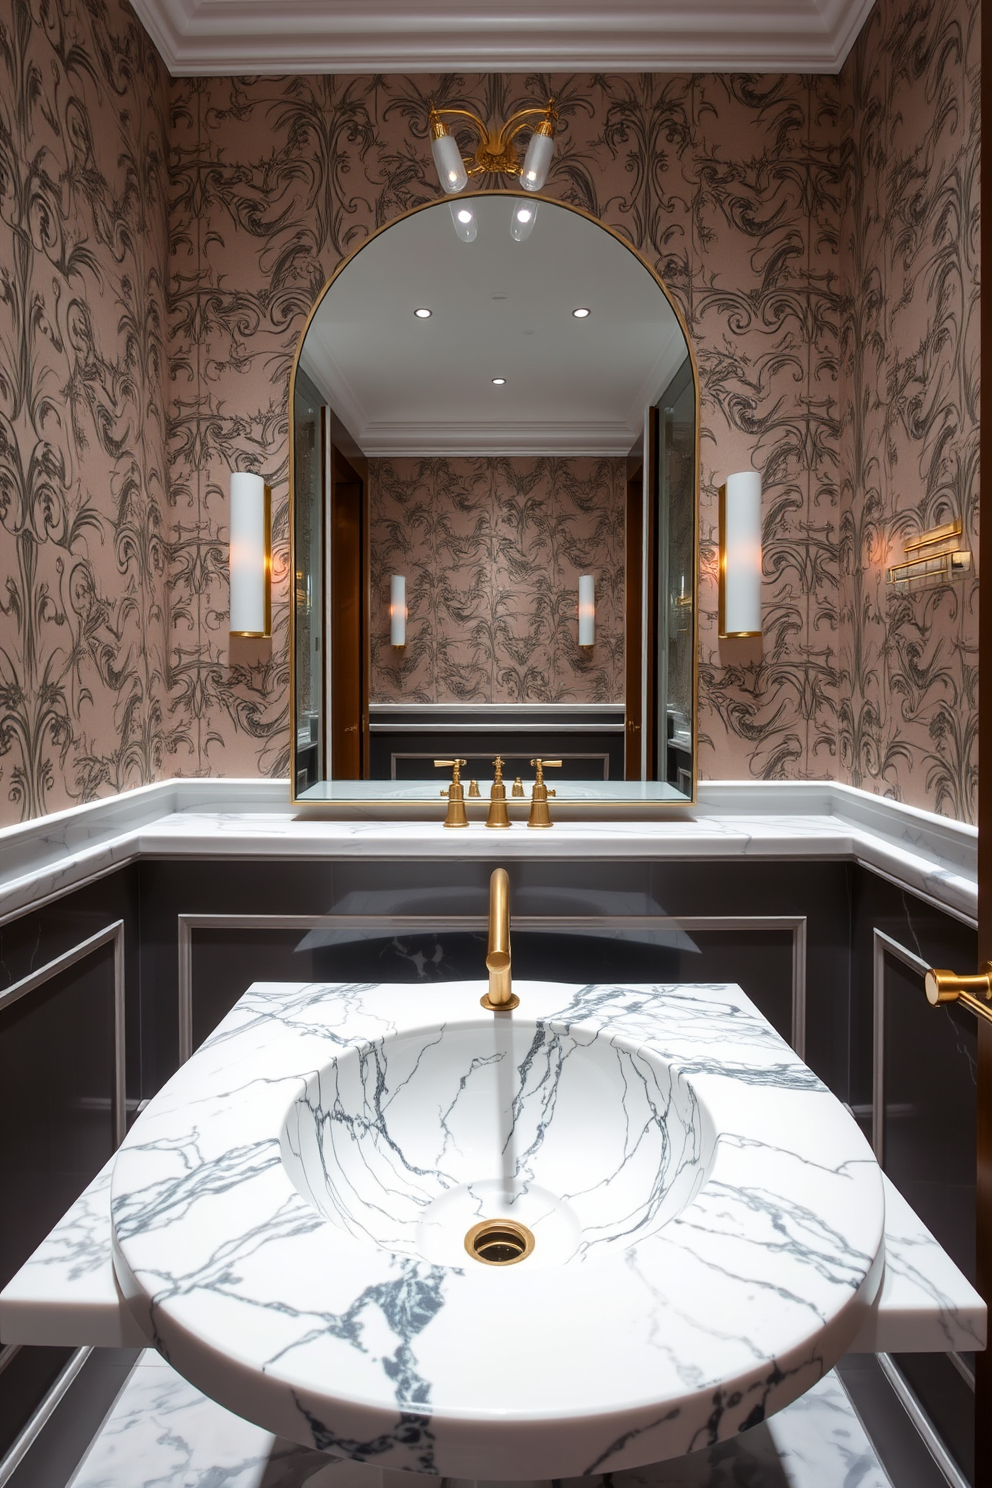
(494, 512)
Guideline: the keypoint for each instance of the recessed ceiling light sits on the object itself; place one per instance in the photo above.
(423, 313)
(580, 314)
(498, 381)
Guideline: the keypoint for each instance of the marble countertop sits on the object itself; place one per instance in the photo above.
(930, 855)
(289, 1217)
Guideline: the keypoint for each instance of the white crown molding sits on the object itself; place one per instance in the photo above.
(224, 37)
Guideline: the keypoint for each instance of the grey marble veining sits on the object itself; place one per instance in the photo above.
(289, 1216)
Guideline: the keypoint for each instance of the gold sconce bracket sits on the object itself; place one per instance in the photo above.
(936, 557)
(946, 986)
(495, 154)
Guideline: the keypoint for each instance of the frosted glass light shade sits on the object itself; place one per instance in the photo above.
(740, 555)
(537, 161)
(397, 610)
(449, 164)
(250, 556)
(587, 610)
(464, 219)
(523, 219)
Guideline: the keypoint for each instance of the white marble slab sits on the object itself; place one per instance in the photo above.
(66, 1293)
(926, 1304)
(233, 818)
(163, 1433)
(289, 1216)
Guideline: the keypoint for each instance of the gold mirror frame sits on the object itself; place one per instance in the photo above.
(419, 806)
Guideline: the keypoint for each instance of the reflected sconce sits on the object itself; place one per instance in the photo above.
(397, 610)
(587, 610)
(740, 556)
(250, 556)
(464, 220)
(936, 556)
(522, 221)
(496, 152)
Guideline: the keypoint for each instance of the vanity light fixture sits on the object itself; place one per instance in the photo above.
(498, 381)
(522, 221)
(250, 555)
(581, 313)
(496, 152)
(465, 222)
(740, 556)
(587, 610)
(397, 610)
(423, 313)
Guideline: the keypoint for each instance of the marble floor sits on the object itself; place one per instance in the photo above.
(162, 1433)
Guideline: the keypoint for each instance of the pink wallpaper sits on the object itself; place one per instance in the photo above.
(908, 722)
(819, 233)
(83, 498)
(492, 550)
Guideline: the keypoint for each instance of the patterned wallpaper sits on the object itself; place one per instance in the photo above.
(908, 723)
(83, 499)
(492, 549)
(819, 233)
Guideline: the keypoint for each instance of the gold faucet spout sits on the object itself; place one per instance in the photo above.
(500, 998)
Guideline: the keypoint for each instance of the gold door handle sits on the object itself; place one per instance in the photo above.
(946, 986)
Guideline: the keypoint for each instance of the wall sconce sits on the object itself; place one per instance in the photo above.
(937, 556)
(740, 556)
(250, 556)
(495, 154)
(397, 610)
(587, 610)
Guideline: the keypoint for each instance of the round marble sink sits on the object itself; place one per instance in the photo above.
(291, 1211)
(591, 1142)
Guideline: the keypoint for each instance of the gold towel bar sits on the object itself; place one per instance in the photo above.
(946, 986)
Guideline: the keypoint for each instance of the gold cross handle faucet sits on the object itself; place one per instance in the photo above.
(540, 816)
(498, 814)
(456, 815)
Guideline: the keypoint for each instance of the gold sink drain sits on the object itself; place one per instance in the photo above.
(499, 1242)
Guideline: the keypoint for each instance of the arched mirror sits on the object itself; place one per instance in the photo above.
(494, 458)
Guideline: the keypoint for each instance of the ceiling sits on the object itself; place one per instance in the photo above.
(405, 386)
(216, 37)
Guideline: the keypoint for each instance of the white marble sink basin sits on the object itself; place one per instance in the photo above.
(593, 1142)
(290, 1214)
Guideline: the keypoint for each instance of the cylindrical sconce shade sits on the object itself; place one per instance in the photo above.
(587, 610)
(397, 610)
(537, 161)
(740, 555)
(448, 162)
(250, 558)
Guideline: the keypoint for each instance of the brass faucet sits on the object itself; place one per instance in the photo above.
(500, 998)
(518, 787)
(498, 814)
(456, 815)
(540, 816)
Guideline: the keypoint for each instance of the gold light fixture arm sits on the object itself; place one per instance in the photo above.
(945, 986)
(495, 153)
(500, 998)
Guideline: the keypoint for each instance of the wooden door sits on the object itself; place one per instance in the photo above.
(348, 628)
(983, 1361)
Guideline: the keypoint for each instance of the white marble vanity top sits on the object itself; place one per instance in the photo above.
(931, 855)
(289, 1216)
